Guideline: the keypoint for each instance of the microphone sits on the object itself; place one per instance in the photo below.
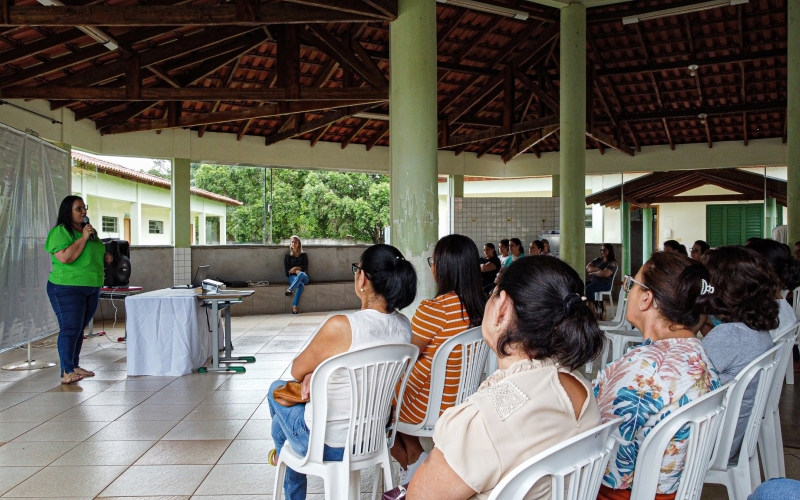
(86, 221)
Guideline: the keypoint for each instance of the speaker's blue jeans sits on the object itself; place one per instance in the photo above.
(288, 425)
(74, 307)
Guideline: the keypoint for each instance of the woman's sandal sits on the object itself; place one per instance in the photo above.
(272, 457)
(83, 373)
(69, 378)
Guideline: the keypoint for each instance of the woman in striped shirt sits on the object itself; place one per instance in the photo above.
(458, 305)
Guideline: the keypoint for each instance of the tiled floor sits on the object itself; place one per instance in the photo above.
(201, 436)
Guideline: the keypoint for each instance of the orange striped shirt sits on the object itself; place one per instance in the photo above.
(434, 322)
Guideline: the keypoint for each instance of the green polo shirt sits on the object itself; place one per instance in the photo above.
(86, 270)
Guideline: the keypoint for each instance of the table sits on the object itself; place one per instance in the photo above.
(112, 293)
(223, 301)
(169, 332)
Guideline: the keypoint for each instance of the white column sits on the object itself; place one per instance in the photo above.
(201, 229)
(223, 230)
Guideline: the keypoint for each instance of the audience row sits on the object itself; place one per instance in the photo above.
(539, 324)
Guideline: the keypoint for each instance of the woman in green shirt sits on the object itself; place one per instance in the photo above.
(74, 283)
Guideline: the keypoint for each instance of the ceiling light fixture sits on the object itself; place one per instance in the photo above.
(487, 8)
(676, 11)
(702, 117)
(89, 30)
(693, 69)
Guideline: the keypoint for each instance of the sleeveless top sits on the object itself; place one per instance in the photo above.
(369, 328)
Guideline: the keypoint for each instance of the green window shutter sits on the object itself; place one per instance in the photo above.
(714, 225)
(733, 224)
(753, 221)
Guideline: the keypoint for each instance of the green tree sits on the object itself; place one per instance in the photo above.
(161, 168)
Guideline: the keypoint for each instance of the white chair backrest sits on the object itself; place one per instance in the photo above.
(374, 373)
(576, 467)
(700, 421)
(796, 302)
(474, 353)
(785, 338)
(619, 312)
(763, 367)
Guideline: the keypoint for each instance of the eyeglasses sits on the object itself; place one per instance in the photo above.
(430, 261)
(628, 281)
(82, 209)
(356, 269)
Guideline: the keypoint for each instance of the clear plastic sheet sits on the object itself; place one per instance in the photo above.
(34, 178)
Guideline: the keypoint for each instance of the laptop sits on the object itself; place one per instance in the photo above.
(199, 276)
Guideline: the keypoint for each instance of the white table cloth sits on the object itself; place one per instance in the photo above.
(168, 333)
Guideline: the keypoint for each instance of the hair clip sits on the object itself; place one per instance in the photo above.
(400, 257)
(706, 288)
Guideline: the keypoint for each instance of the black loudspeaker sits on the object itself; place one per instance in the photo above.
(118, 273)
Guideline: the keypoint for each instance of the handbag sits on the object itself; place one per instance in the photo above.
(396, 493)
(289, 394)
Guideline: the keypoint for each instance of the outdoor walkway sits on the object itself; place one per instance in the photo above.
(201, 436)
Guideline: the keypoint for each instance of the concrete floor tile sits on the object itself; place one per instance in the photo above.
(247, 451)
(12, 476)
(134, 430)
(104, 453)
(158, 412)
(205, 430)
(149, 480)
(238, 479)
(62, 431)
(34, 453)
(65, 482)
(234, 411)
(196, 452)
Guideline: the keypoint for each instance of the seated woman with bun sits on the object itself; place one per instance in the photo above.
(669, 369)
(385, 282)
(538, 324)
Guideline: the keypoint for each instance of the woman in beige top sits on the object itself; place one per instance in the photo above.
(542, 331)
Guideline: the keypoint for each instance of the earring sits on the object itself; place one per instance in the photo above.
(362, 290)
(496, 327)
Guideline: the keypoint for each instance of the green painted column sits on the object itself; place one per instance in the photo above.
(413, 149)
(625, 231)
(181, 218)
(793, 121)
(456, 186)
(771, 217)
(555, 191)
(647, 233)
(572, 160)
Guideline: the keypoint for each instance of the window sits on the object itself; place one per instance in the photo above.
(109, 224)
(733, 224)
(587, 218)
(156, 227)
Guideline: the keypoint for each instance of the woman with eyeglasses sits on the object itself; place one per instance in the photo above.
(385, 282)
(669, 369)
(699, 248)
(515, 250)
(74, 283)
(458, 305)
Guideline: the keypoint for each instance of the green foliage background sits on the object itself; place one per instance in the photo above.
(311, 204)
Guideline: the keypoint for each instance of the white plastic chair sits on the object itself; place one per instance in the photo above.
(704, 417)
(617, 323)
(474, 354)
(796, 307)
(770, 439)
(576, 467)
(599, 296)
(618, 341)
(374, 373)
(742, 478)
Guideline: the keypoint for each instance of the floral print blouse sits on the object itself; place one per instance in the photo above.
(643, 387)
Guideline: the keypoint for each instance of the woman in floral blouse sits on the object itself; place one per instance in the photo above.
(667, 371)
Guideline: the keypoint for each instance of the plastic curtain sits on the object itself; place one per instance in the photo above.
(34, 178)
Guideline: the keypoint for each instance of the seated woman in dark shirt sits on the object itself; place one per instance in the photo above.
(490, 265)
(601, 271)
(295, 263)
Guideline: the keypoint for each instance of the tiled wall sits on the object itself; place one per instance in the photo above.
(492, 219)
(182, 266)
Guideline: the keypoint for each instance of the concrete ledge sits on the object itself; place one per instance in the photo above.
(330, 296)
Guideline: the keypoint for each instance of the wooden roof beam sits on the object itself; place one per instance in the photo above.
(331, 45)
(498, 132)
(491, 25)
(351, 7)
(706, 61)
(182, 15)
(602, 138)
(669, 135)
(378, 135)
(307, 127)
(353, 133)
(537, 137)
(265, 111)
(708, 110)
(317, 134)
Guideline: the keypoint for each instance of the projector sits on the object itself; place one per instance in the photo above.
(211, 286)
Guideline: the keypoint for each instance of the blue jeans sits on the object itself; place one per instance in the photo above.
(74, 307)
(299, 281)
(288, 425)
(777, 489)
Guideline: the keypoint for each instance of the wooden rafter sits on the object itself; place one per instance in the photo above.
(307, 127)
(182, 15)
(705, 61)
(491, 25)
(354, 132)
(224, 84)
(602, 138)
(498, 132)
(669, 135)
(378, 135)
(344, 55)
(537, 137)
(709, 110)
(317, 134)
